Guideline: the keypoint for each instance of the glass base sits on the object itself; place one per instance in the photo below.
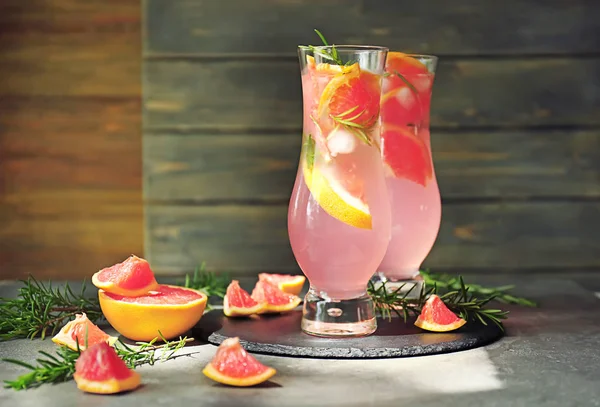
(327, 317)
(410, 288)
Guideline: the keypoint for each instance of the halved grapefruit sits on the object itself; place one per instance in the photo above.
(172, 310)
(100, 370)
(406, 155)
(336, 200)
(83, 331)
(237, 302)
(275, 300)
(132, 277)
(233, 366)
(291, 284)
(436, 317)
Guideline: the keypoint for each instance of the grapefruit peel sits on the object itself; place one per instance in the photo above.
(100, 370)
(436, 317)
(131, 278)
(234, 366)
(83, 331)
(237, 302)
(141, 318)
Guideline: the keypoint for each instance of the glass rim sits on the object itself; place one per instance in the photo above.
(346, 47)
(423, 56)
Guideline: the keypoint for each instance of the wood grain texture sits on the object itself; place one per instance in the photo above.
(249, 239)
(266, 94)
(480, 27)
(501, 164)
(70, 138)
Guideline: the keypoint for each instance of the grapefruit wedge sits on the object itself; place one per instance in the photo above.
(406, 155)
(172, 310)
(337, 201)
(83, 331)
(274, 299)
(237, 302)
(436, 317)
(131, 278)
(233, 366)
(100, 370)
(291, 284)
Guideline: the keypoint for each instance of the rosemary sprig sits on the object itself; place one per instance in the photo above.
(208, 282)
(309, 146)
(331, 54)
(40, 310)
(60, 367)
(467, 305)
(453, 283)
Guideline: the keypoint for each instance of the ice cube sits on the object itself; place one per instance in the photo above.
(341, 141)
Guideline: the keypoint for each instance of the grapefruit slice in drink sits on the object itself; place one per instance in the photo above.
(406, 155)
(237, 302)
(100, 370)
(233, 366)
(406, 66)
(274, 299)
(131, 278)
(436, 317)
(291, 284)
(83, 331)
(169, 311)
(335, 198)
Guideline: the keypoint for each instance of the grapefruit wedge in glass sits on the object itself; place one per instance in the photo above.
(132, 277)
(291, 284)
(169, 311)
(237, 302)
(100, 370)
(274, 299)
(436, 317)
(233, 366)
(83, 331)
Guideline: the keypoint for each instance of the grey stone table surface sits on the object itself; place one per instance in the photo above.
(550, 356)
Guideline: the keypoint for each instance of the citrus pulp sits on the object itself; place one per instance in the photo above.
(237, 302)
(233, 366)
(291, 284)
(131, 278)
(275, 300)
(83, 331)
(436, 317)
(100, 370)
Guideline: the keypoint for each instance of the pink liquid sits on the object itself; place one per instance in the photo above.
(337, 258)
(413, 189)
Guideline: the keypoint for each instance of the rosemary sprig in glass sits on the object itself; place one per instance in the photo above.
(41, 310)
(58, 368)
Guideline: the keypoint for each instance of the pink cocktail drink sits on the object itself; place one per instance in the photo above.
(339, 218)
(410, 176)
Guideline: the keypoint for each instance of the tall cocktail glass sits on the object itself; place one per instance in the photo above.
(410, 176)
(339, 217)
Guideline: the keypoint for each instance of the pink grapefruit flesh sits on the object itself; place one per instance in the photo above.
(291, 284)
(237, 302)
(436, 317)
(132, 277)
(274, 299)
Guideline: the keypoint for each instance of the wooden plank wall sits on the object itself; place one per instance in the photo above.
(70, 136)
(516, 126)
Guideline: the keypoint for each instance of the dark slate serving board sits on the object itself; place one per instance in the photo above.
(281, 335)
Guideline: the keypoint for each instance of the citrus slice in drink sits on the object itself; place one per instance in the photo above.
(406, 155)
(291, 284)
(168, 311)
(404, 65)
(335, 199)
(100, 370)
(352, 96)
(233, 366)
(436, 317)
(83, 331)
(237, 302)
(131, 278)
(274, 299)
